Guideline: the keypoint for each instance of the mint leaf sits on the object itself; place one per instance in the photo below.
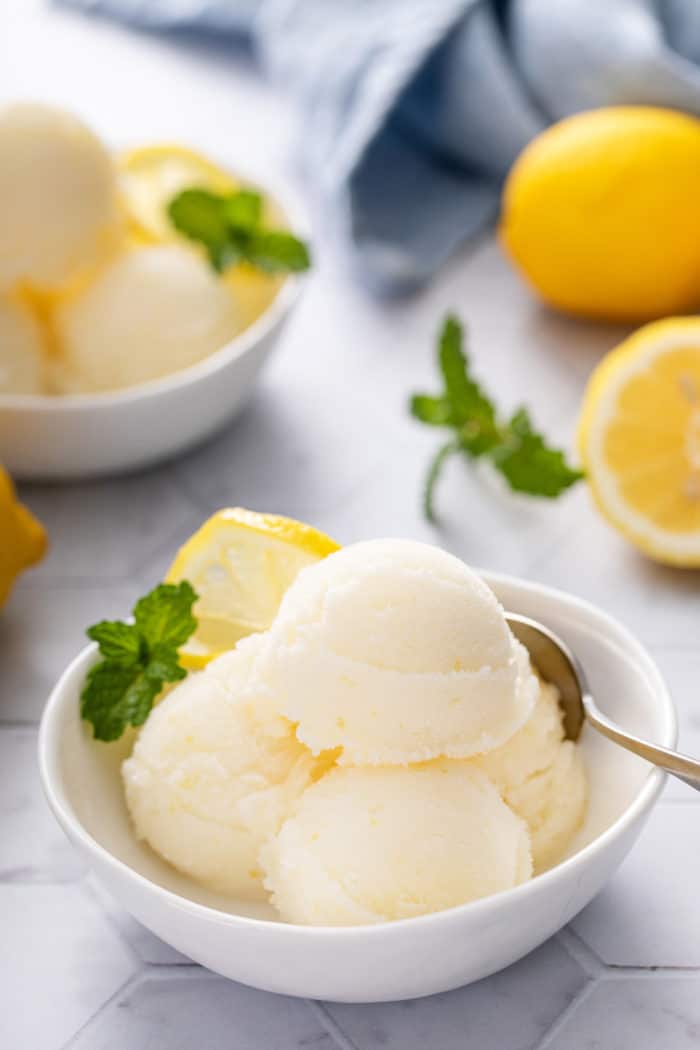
(200, 216)
(278, 252)
(468, 401)
(528, 464)
(115, 696)
(163, 665)
(230, 228)
(513, 446)
(117, 641)
(435, 411)
(164, 617)
(243, 210)
(138, 659)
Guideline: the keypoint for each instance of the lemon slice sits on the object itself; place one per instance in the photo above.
(639, 436)
(152, 175)
(240, 563)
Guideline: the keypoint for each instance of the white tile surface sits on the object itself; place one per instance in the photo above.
(648, 915)
(179, 1012)
(33, 848)
(635, 1013)
(105, 530)
(42, 629)
(327, 437)
(681, 670)
(60, 961)
(148, 947)
(512, 1009)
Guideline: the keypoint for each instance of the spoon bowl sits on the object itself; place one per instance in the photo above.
(558, 665)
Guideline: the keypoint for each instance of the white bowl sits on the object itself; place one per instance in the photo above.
(399, 960)
(87, 435)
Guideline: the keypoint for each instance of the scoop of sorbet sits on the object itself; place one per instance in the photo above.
(396, 652)
(212, 776)
(367, 845)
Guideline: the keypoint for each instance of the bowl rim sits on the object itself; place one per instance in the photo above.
(242, 344)
(640, 804)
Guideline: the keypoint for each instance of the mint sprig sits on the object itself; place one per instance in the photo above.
(137, 659)
(513, 446)
(230, 227)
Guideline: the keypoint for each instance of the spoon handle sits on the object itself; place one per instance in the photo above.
(680, 766)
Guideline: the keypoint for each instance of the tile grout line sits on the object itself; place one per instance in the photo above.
(614, 972)
(557, 1025)
(133, 979)
(578, 950)
(334, 1030)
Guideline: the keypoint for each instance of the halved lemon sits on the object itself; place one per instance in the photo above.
(241, 563)
(152, 175)
(639, 438)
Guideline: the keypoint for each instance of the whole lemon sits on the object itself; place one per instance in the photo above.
(22, 539)
(601, 212)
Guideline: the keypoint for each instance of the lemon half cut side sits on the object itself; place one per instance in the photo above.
(639, 438)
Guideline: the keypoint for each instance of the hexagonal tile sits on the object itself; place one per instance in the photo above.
(60, 962)
(286, 425)
(511, 1009)
(104, 530)
(141, 941)
(41, 630)
(180, 1010)
(34, 849)
(473, 508)
(648, 914)
(631, 1012)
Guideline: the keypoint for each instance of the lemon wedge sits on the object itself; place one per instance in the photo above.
(241, 563)
(152, 175)
(639, 438)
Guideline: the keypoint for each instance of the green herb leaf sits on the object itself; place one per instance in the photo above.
(514, 447)
(117, 641)
(115, 696)
(278, 252)
(243, 210)
(138, 659)
(435, 411)
(199, 215)
(468, 400)
(164, 617)
(230, 228)
(528, 464)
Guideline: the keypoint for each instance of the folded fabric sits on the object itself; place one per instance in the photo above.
(415, 109)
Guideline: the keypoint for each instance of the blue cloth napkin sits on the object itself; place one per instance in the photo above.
(415, 109)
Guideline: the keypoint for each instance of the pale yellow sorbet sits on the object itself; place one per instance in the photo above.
(59, 211)
(213, 776)
(542, 778)
(22, 350)
(368, 845)
(396, 652)
(151, 312)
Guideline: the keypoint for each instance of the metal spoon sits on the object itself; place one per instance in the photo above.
(558, 665)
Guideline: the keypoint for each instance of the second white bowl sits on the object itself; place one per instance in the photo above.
(88, 435)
